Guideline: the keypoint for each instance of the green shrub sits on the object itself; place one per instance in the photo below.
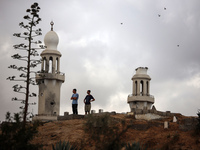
(97, 125)
(198, 124)
(14, 137)
(105, 131)
(63, 146)
(134, 146)
(171, 142)
(175, 138)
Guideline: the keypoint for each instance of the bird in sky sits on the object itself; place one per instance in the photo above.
(177, 45)
(159, 15)
(165, 8)
(121, 23)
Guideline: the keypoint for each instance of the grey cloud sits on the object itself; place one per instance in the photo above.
(101, 54)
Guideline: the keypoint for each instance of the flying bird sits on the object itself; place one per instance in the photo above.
(159, 15)
(121, 23)
(165, 8)
(177, 45)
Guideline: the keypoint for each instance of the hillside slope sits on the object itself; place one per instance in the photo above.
(149, 133)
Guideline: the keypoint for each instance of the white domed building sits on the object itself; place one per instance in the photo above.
(140, 97)
(49, 79)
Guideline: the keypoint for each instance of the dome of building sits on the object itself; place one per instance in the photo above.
(51, 40)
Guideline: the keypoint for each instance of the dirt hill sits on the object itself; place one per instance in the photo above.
(179, 136)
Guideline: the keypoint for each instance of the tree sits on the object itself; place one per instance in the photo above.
(14, 137)
(28, 55)
(198, 123)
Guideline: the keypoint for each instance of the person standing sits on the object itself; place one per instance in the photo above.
(88, 99)
(74, 99)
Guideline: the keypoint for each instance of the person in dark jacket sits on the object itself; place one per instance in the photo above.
(88, 99)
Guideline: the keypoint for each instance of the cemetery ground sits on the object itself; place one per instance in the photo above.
(117, 130)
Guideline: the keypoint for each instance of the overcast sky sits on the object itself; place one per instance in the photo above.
(102, 43)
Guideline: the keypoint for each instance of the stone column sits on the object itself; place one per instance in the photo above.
(148, 88)
(53, 64)
(58, 64)
(145, 87)
(138, 87)
(42, 65)
(134, 88)
(166, 125)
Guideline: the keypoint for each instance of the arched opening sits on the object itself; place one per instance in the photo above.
(44, 64)
(141, 88)
(57, 63)
(50, 65)
(147, 88)
(135, 88)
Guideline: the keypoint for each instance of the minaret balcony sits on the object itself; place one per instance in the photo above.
(50, 76)
(140, 98)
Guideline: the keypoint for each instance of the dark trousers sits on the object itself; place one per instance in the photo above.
(74, 108)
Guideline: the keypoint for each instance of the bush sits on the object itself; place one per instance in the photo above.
(63, 146)
(105, 131)
(14, 137)
(198, 124)
(134, 146)
(97, 125)
(173, 139)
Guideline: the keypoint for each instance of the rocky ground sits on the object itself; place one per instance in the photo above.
(179, 136)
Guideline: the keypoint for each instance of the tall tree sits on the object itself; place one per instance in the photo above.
(28, 54)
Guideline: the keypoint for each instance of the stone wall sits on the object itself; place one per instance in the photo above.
(69, 117)
(153, 111)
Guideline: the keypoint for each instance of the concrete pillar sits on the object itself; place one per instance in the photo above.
(42, 66)
(148, 87)
(134, 88)
(166, 125)
(145, 88)
(66, 113)
(138, 87)
(92, 111)
(58, 64)
(54, 65)
(100, 110)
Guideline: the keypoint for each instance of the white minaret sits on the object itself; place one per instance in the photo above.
(140, 97)
(50, 78)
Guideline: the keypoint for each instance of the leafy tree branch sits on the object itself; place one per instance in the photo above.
(30, 46)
